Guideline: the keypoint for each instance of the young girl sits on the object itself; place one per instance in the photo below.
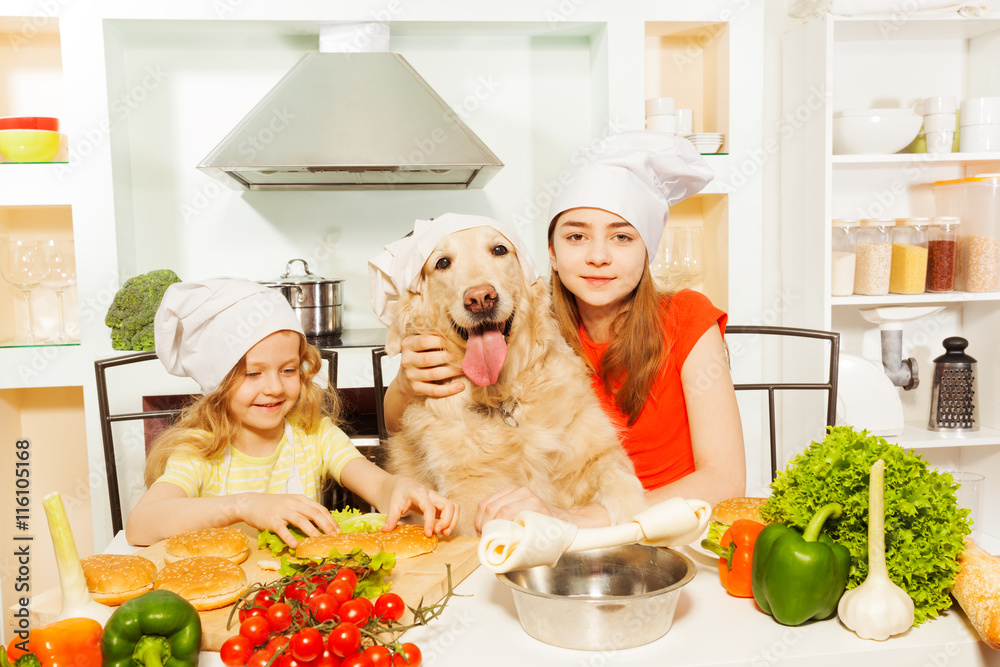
(257, 445)
(659, 362)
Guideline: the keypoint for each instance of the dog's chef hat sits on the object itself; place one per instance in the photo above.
(202, 329)
(397, 268)
(637, 175)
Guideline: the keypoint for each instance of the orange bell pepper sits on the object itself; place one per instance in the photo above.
(72, 642)
(735, 551)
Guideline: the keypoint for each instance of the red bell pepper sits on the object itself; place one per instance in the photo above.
(735, 552)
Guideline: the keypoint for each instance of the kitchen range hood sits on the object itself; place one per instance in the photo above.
(347, 120)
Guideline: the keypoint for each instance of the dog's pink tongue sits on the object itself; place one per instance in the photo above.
(484, 356)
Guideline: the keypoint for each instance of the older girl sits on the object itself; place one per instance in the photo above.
(658, 360)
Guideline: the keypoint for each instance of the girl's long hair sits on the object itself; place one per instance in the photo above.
(638, 349)
(207, 426)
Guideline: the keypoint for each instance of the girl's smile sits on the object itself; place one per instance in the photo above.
(268, 391)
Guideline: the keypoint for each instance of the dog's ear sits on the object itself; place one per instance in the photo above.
(402, 325)
(540, 301)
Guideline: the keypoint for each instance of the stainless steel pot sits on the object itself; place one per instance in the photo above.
(317, 301)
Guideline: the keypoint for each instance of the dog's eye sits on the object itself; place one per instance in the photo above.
(442, 263)
(500, 250)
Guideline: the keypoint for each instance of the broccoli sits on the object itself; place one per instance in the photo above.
(131, 313)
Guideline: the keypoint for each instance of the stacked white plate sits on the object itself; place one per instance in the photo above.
(707, 142)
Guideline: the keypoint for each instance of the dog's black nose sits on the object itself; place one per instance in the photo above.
(480, 299)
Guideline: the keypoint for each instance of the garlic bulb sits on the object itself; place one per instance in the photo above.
(878, 608)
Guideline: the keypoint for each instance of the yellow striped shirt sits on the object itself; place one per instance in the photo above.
(320, 454)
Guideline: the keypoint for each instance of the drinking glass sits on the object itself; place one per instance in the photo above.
(22, 264)
(683, 262)
(60, 261)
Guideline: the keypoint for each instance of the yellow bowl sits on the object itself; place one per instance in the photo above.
(29, 145)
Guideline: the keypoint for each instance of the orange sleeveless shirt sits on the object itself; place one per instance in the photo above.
(659, 442)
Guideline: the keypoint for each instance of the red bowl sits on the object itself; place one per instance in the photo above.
(29, 123)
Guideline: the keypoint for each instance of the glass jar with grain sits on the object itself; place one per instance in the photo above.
(942, 251)
(909, 256)
(976, 200)
(844, 256)
(874, 256)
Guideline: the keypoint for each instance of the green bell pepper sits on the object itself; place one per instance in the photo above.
(156, 629)
(800, 576)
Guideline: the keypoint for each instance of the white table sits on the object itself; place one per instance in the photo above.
(709, 628)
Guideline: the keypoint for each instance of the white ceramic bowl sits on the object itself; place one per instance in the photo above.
(874, 131)
(981, 111)
(975, 138)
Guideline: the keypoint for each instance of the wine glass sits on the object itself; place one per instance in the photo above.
(61, 263)
(22, 264)
(683, 264)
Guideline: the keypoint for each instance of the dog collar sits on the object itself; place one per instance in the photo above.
(505, 411)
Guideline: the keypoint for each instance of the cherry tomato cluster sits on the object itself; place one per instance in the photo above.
(314, 619)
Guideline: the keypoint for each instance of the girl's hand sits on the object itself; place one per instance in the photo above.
(274, 511)
(508, 502)
(425, 370)
(405, 493)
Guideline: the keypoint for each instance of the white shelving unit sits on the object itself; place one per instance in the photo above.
(859, 64)
(145, 90)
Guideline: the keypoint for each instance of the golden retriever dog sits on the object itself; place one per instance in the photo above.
(528, 415)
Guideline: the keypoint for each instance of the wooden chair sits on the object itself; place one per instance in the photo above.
(829, 385)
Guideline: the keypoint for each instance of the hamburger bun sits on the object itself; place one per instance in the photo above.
(229, 543)
(207, 582)
(405, 540)
(731, 509)
(113, 578)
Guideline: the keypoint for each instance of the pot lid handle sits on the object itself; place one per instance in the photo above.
(305, 267)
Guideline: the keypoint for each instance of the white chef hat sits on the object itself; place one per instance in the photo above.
(637, 175)
(202, 329)
(397, 268)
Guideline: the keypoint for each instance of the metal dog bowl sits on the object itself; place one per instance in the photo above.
(601, 600)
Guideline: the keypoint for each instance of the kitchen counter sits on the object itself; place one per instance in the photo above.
(709, 628)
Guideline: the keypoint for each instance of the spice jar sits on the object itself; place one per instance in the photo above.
(844, 256)
(874, 256)
(909, 256)
(942, 251)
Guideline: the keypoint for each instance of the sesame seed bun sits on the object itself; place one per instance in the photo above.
(229, 543)
(207, 582)
(731, 509)
(405, 540)
(114, 578)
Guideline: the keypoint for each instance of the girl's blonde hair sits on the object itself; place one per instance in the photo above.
(207, 426)
(638, 349)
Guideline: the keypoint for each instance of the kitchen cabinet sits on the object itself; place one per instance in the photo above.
(833, 64)
(145, 90)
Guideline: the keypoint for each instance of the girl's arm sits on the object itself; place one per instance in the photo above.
(422, 366)
(716, 431)
(165, 510)
(395, 495)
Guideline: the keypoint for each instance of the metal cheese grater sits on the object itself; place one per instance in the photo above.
(953, 392)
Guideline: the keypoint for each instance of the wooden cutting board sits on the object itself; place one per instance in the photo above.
(413, 578)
